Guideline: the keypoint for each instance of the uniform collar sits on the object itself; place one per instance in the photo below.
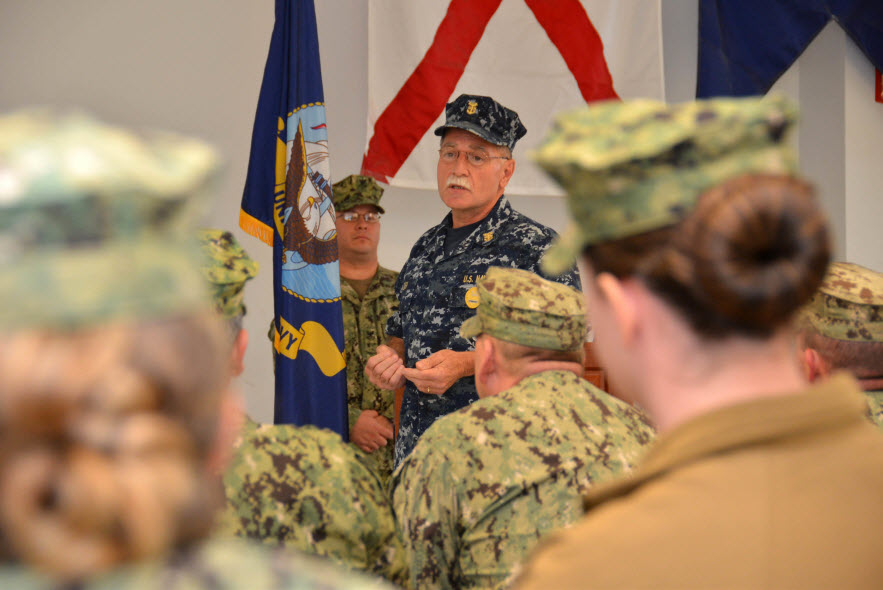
(835, 402)
(486, 231)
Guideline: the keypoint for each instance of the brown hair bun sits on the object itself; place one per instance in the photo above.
(759, 248)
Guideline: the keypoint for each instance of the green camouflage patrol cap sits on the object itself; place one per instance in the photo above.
(848, 305)
(96, 223)
(484, 117)
(518, 306)
(227, 267)
(356, 190)
(634, 166)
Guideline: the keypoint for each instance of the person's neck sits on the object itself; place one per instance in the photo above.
(359, 267)
(507, 378)
(542, 366)
(871, 383)
(464, 217)
(719, 374)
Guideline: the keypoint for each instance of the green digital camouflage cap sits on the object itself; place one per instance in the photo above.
(848, 305)
(484, 117)
(95, 222)
(634, 166)
(356, 190)
(227, 266)
(521, 307)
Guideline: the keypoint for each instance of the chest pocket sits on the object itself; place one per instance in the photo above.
(463, 303)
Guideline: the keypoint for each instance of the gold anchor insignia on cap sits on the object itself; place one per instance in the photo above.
(488, 236)
(471, 107)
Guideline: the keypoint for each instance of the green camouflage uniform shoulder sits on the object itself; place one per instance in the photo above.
(303, 487)
(553, 406)
(501, 473)
(875, 407)
(214, 565)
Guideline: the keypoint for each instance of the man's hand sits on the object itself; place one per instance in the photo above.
(371, 431)
(437, 372)
(384, 369)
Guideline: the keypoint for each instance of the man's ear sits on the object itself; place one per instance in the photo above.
(508, 171)
(485, 364)
(237, 355)
(622, 305)
(230, 418)
(814, 365)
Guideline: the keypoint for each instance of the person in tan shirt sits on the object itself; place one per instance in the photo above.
(699, 245)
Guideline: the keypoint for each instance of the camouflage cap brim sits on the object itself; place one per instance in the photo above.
(635, 166)
(97, 221)
(474, 129)
(355, 190)
(848, 305)
(147, 278)
(471, 328)
(523, 308)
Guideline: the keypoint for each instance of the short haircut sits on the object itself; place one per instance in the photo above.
(862, 359)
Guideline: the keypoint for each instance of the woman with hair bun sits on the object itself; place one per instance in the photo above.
(114, 371)
(700, 245)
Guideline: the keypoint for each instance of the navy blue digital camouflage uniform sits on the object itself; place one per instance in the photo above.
(432, 291)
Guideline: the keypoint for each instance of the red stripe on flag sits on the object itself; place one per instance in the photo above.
(572, 32)
(423, 96)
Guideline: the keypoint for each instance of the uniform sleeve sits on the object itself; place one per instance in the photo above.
(394, 323)
(570, 278)
(426, 507)
(385, 555)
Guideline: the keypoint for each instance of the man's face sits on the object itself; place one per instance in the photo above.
(467, 189)
(358, 237)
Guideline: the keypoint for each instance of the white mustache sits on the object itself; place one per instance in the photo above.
(454, 180)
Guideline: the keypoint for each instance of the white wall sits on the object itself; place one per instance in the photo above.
(195, 66)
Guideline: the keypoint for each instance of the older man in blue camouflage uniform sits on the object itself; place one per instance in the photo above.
(485, 483)
(436, 288)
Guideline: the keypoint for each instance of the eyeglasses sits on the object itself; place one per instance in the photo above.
(476, 159)
(371, 217)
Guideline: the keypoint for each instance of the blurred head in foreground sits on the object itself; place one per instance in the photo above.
(697, 205)
(113, 364)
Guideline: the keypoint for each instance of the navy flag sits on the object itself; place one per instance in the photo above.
(746, 45)
(287, 204)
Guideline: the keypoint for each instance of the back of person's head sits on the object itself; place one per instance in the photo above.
(531, 317)
(697, 200)
(226, 268)
(843, 322)
(113, 365)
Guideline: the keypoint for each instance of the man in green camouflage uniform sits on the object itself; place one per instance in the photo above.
(485, 483)
(303, 487)
(226, 268)
(842, 329)
(368, 294)
(98, 221)
(298, 486)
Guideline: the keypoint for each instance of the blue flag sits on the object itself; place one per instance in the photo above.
(287, 204)
(746, 45)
